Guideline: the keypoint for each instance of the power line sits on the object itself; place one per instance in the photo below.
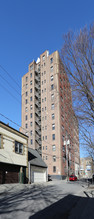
(9, 75)
(9, 84)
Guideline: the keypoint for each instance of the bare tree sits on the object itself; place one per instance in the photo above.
(77, 55)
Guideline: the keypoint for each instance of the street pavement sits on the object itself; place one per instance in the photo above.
(55, 199)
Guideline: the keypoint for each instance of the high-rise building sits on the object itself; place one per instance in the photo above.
(47, 115)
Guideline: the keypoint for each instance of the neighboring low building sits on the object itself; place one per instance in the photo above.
(36, 167)
(13, 155)
(86, 167)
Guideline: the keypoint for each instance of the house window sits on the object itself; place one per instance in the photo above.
(31, 132)
(46, 137)
(31, 90)
(54, 158)
(51, 60)
(31, 107)
(46, 147)
(31, 123)
(54, 169)
(31, 115)
(54, 147)
(53, 116)
(30, 82)
(51, 68)
(30, 98)
(53, 126)
(52, 86)
(18, 147)
(46, 127)
(45, 81)
(53, 136)
(52, 106)
(52, 77)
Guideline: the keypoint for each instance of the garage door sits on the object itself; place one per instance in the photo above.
(39, 177)
(9, 173)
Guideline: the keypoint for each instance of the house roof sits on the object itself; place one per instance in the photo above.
(35, 159)
(9, 128)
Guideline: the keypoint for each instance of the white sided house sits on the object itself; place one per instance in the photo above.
(13, 155)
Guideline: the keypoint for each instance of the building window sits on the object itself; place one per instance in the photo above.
(52, 86)
(46, 137)
(51, 68)
(45, 117)
(54, 169)
(42, 109)
(54, 147)
(63, 148)
(54, 158)
(52, 106)
(31, 67)
(53, 136)
(26, 117)
(26, 93)
(30, 98)
(45, 89)
(43, 137)
(46, 147)
(52, 77)
(26, 86)
(26, 109)
(53, 126)
(30, 75)
(26, 79)
(26, 125)
(31, 90)
(26, 101)
(31, 141)
(53, 116)
(46, 127)
(43, 58)
(51, 60)
(42, 100)
(45, 98)
(0, 141)
(31, 124)
(52, 96)
(31, 132)
(18, 147)
(30, 115)
(45, 108)
(44, 64)
(44, 72)
(31, 107)
(30, 82)
(44, 81)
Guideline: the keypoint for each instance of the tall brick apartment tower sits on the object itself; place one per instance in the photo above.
(47, 115)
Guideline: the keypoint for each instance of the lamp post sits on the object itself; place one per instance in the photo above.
(67, 143)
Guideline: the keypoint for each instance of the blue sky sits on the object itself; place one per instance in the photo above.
(28, 28)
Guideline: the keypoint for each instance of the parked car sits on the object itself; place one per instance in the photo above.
(72, 178)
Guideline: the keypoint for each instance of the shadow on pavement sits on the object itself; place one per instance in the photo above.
(70, 207)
